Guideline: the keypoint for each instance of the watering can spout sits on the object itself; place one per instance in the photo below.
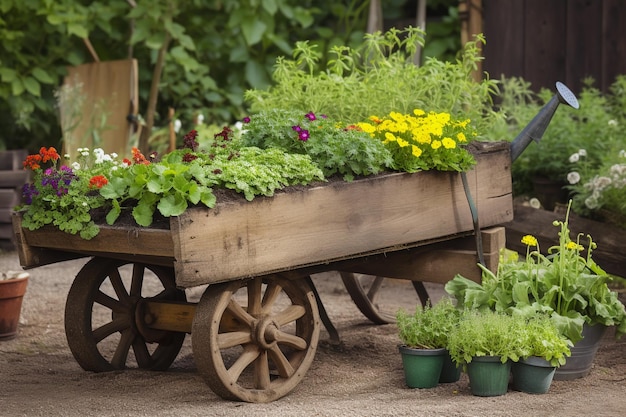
(538, 125)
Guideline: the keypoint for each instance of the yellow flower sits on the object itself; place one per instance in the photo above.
(529, 240)
(416, 151)
(389, 137)
(366, 127)
(419, 112)
(574, 245)
(436, 144)
(402, 143)
(461, 137)
(448, 143)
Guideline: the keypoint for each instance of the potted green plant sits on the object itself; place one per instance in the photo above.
(545, 349)
(424, 337)
(12, 289)
(485, 343)
(566, 284)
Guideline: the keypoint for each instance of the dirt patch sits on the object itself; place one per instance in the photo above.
(361, 377)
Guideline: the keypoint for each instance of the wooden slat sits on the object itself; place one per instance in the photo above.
(584, 57)
(130, 241)
(325, 223)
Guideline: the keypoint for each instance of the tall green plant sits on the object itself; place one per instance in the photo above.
(379, 77)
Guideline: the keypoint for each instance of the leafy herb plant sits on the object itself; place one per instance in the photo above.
(336, 148)
(429, 326)
(379, 77)
(566, 284)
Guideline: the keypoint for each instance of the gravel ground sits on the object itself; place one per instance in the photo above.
(361, 377)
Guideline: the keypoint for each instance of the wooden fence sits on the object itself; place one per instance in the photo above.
(544, 41)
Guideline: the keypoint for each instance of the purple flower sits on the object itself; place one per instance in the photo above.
(297, 128)
(303, 135)
(246, 119)
(311, 116)
(28, 192)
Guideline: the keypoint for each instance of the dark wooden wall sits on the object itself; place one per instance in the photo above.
(544, 41)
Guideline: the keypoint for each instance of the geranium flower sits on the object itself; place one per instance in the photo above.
(98, 181)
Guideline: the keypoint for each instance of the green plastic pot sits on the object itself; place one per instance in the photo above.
(533, 375)
(450, 372)
(422, 367)
(488, 376)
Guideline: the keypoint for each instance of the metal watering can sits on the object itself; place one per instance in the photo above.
(538, 125)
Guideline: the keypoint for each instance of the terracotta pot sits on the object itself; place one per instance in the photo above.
(11, 294)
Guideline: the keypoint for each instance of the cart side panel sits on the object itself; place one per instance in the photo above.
(48, 245)
(336, 220)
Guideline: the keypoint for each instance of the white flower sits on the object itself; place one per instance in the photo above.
(573, 177)
(84, 152)
(622, 153)
(177, 125)
(601, 182)
(582, 152)
(534, 203)
(200, 119)
(113, 155)
(574, 157)
(591, 203)
(75, 166)
(612, 122)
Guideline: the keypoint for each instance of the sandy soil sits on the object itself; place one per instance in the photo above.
(361, 377)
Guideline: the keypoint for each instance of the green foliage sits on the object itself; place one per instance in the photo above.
(334, 147)
(543, 339)
(379, 77)
(216, 50)
(487, 333)
(429, 326)
(569, 287)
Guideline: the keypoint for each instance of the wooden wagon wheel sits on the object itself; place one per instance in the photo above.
(103, 319)
(254, 340)
(365, 290)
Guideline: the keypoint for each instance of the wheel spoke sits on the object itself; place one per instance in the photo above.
(271, 294)
(254, 296)
(137, 280)
(291, 313)
(108, 301)
(123, 347)
(120, 324)
(142, 355)
(262, 371)
(290, 340)
(250, 353)
(376, 285)
(228, 340)
(239, 312)
(283, 365)
(118, 285)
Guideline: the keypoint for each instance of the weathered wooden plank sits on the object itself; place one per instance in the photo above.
(128, 241)
(336, 220)
(438, 262)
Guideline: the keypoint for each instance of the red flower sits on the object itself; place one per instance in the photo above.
(49, 154)
(32, 162)
(138, 157)
(98, 181)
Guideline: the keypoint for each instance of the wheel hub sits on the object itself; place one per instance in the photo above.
(265, 331)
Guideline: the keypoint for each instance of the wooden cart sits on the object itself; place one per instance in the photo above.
(256, 327)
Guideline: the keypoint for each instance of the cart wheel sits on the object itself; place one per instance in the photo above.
(102, 323)
(254, 340)
(365, 291)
